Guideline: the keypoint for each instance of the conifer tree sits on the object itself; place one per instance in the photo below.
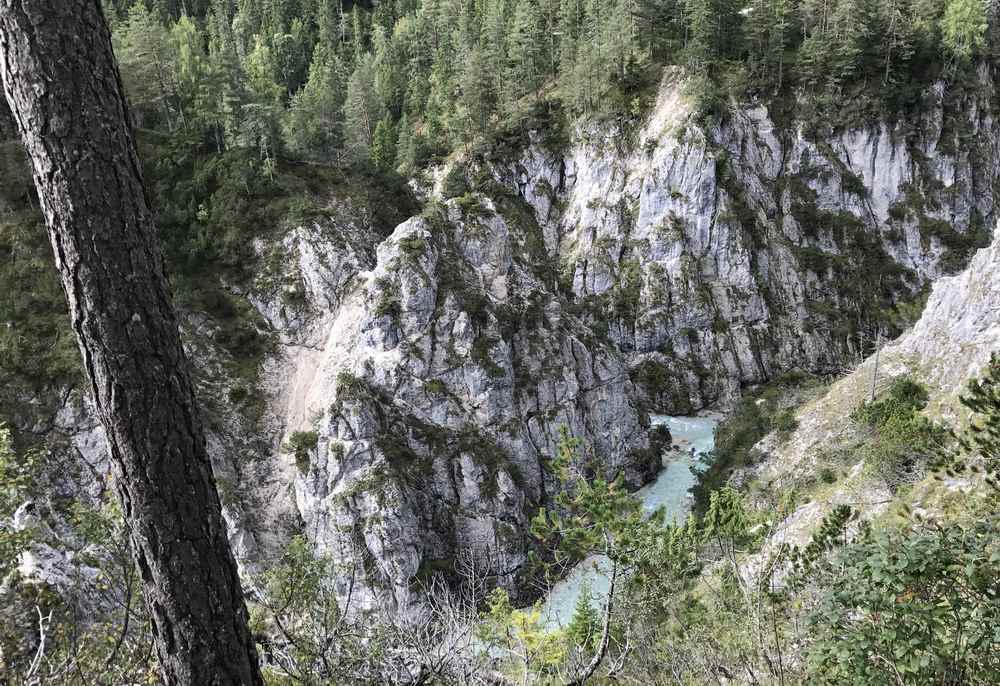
(476, 97)
(768, 33)
(143, 49)
(701, 49)
(897, 46)
(362, 109)
(584, 629)
(526, 50)
(661, 26)
(312, 123)
(493, 44)
(384, 144)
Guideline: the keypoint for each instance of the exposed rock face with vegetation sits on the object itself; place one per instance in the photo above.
(719, 258)
(435, 368)
(436, 269)
(418, 381)
(837, 462)
(433, 387)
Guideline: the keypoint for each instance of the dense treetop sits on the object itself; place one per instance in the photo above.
(398, 82)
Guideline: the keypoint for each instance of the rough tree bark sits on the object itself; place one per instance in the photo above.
(62, 84)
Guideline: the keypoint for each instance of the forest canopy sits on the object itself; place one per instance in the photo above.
(396, 84)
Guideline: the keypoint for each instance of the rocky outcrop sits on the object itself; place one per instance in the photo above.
(723, 257)
(949, 346)
(424, 408)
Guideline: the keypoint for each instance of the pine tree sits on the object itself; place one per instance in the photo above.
(701, 50)
(768, 33)
(191, 71)
(406, 146)
(312, 124)
(571, 22)
(550, 10)
(227, 82)
(291, 54)
(144, 52)
(584, 629)
(384, 145)
(662, 27)
(590, 68)
(493, 44)
(897, 44)
(924, 18)
(441, 120)
(359, 34)
(620, 38)
(526, 49)
(835, 38)
(475, 101)
(361, 109)
(260, 116)
(847, 39)
(390, 72)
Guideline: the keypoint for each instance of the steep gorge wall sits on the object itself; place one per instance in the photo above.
(432, 395)
(721, 258)
(664, 271)
(420, 380)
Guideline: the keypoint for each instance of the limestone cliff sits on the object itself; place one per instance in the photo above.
(949, 346)
(419, 380)
(717, 258)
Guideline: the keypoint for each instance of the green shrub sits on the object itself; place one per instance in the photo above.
(388, 304)
(903, 440)
(435, 387)
(455, 183)
(655, 380)
(413, 246)
(904, 396)
(735, 438)
(921, 606)
(785, 423)
(480, 354)
(301, 444)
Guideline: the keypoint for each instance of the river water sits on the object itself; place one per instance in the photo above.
(693, 436)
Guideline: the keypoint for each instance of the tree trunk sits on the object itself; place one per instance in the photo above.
(62, 84)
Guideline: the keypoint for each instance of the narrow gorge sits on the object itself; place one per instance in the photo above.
(417, 360)
(419, 381)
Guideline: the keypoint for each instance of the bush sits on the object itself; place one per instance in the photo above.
(454, 185)
(735, 438)
(785, 423)
(301, 444)
(904, 441)
(388, 304)
(920, 606)
(435, 387)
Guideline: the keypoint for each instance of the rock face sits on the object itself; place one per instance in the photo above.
(950, 345)
(724, 257)
(425, 407)
(421, 378)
